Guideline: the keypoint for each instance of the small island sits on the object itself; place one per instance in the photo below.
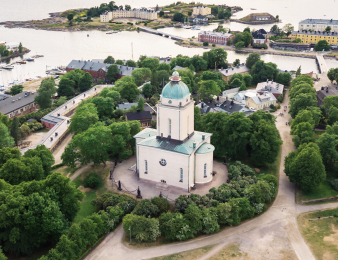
(258, 18)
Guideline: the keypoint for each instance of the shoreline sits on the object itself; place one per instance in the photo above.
(14, 55)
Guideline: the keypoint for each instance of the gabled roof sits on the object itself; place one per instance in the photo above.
(76, 64)
(141, 115)
(20, 100)
(126, 105)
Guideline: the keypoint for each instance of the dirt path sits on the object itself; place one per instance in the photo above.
(272, 235)
(59, 151)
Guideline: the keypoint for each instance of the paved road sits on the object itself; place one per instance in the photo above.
(273, 235)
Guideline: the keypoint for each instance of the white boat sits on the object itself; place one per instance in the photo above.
(8, 67)
(197, 27)
(30, 59)
(186, 27)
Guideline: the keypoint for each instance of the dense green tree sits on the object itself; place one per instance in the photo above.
(140, 104)
(262, 71)
(141, 75)
(238, 38)
(7, 153)
(224, 213)
(305, 167)
(331, 101)
(302, 101)
(247, 78)
(61, 101)
(92, 145)
(139, 62)
(252, 59)
(45, 93)
(112, 73)
(15, 171)
(332, 74)
(178, 17)
(147, 90)
(209, 220)
(247, 37)
(150, 63)
(288, 28)
(236, 76)
(20, 48)
(16, 89)
(129, 91)
(4, 119)
(104, 106)
(162, 77)
(328, 146)
(302, 117)
(109, 60)
(70, 17)
(162, 204)
(199, 63)
(300, 88)
(45, 155)
(142, 229)
(174, 226)
(208, 89)
(322, 45)
(237, 62)
(303, 133)
(6, 139)
(85, 116)
(333, 115)
(86, 82)
(146, 208)
(163, 66)
(15, 132)
(75, 75)
(66, 87)
(119, 62)
(236, 83)
(239, 45)
(216, 57)
(284, 78)
(131, 63)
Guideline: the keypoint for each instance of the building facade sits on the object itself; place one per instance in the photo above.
(19, 105)
(315, 36)
(250, 98)
(134, 13)
(215, 37)
(201, 10)
(175, 153)
(318, 25)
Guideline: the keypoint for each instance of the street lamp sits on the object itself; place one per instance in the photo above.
(130, 234)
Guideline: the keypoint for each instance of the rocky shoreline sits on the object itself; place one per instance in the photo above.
(14, 55)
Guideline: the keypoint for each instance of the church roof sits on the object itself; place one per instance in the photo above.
(175, 89)
(205, 148)
(145, 133)
(173, 146)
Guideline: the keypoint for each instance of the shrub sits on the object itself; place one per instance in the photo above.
(162, 204)
(142, 229)
(280, 98)
(130, 23)
(205, 43)
(213, 45)
(92, 180)
(259, 46)
(334, 183)
(146, 208)
(111, 200)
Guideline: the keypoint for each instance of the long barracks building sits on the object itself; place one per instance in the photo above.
(315, 36)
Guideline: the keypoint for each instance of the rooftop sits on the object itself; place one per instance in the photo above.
(319, 21)
(174, 146)
(306, 32)
(270, 86)
(147, 132)
(175, 89)
(218, 34)
(325, 91)
(125, 105)
(20, 100)
(139, 115)
(231, 71)
(205, 148)
(229, 91)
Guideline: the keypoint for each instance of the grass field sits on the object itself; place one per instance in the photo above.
(65, 171)
(231, 251)
(86, 208)
(320, 235)
(187, 255)
(324, 190)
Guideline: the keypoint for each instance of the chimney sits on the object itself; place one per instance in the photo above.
(194, 145)
(138, 110)
(161, 135)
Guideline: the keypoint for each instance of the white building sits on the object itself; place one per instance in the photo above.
(175, 153)
(250, 98)
(134, 13)
(201, 10)
(318, 25)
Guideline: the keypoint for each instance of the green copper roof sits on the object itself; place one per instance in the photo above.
(184, 148)
(205, 148)
(175, 90)
(147, 132)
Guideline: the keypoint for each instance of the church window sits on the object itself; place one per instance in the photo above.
(205, 170)
(145, 167)
(163, 162)
(169, 130)
(181, 175)
(169, 101)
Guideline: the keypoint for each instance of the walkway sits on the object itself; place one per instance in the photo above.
(321, 63)
(174, 37)
(273, 235)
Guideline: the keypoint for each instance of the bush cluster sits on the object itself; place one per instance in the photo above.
(92, 180)
(259, 46)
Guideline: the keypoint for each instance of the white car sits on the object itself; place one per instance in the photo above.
(252, 109)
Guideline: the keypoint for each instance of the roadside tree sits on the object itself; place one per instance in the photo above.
(16, 89)
(112, 72)
(252, 59)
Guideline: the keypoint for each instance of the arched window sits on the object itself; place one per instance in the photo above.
(169, 126)
(181, 174)
(145, 167)
(205, 170)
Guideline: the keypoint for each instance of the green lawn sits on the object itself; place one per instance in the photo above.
(86, 208)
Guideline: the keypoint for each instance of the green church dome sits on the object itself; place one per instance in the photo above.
(175, 89)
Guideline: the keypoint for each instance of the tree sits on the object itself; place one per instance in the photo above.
(305, 167)
(131, 63)
(163, 77)
(140, 104)
(20, 48)
(45, 93)
(238, 38)
(262, 71)
(274, 29)
(109, 60)
(85, 116)
(129, 91)
(15, 133)
(247, 29)
(104, 106)
(298, 72)
(284, 78)
(66, 87)
(247, 78)
(86, 82)
(119, 62)
(322, 45)
(332, 74)
(161, 13)
(92, 145)
(288, 29)
(178, 17)
(45, 155)
(146, 208)
(237, 62)
(302, 88)
(328, 29)
(208, 89)
(252, 59)
(142, 229)
(302, 101)
(163, 66)
(242, 87)
(331, 101)
(150, 63)
(328, 144)
(247, 37)
(7, 153)
(199, 63)
(16, 89)
(303, 133)
(112, 73)
(174, 226)
(216, 56)
(147, 90)
(70, 17)
(239, 45)
(206, 43)
(75, 75)
(236, 83)
(189, 13)
(333, 115)
(61, 101)
(6, 140)
(141, 75)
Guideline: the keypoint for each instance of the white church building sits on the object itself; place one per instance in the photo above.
(175, 153)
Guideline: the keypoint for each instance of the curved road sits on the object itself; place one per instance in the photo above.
(273, 235)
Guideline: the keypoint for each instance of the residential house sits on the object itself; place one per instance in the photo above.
(262, 17)
(250, 98)
(18, 105)
(259, 37)
(240, 69)
(269, 86)
(325, 92)
(198, 19)
(230, 93)
(214, 37)
(144, 117)
(223, 105)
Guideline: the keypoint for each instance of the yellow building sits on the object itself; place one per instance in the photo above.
(201, 10)
(318, 25)
(314, 37)
(240, 69)
(134, 13)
